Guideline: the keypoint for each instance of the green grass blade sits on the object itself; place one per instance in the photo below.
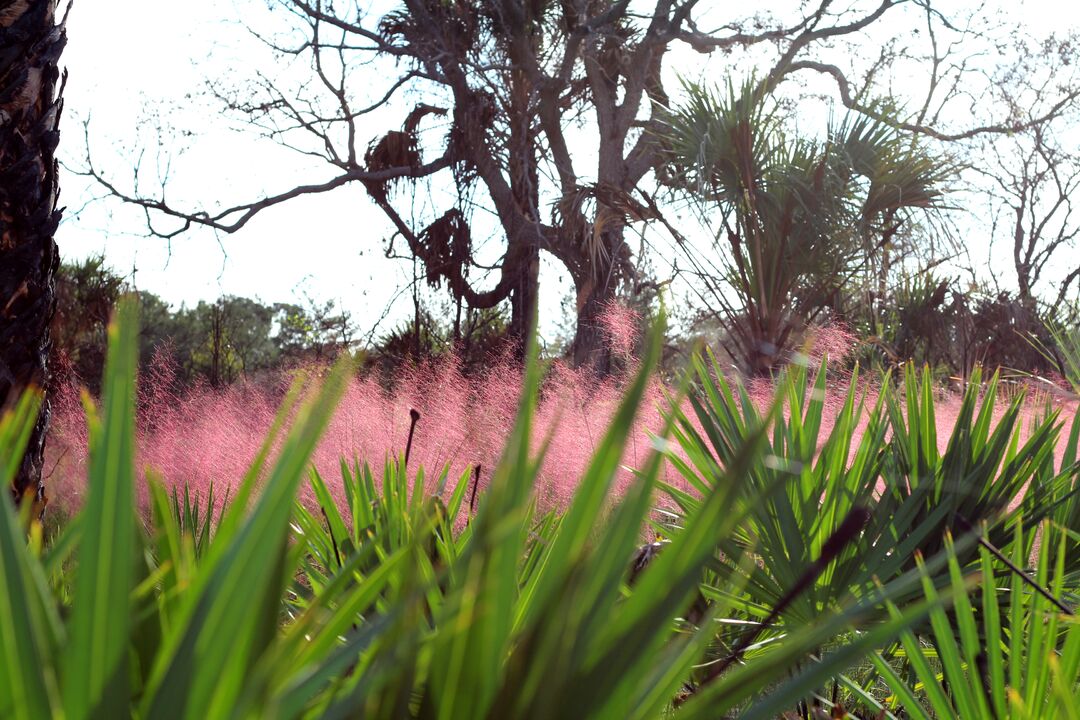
(96, 681)
(992, 624)
(27, 681)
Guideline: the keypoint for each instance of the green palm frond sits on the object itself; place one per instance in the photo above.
(793, 217)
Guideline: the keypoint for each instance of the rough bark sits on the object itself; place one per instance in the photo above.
(525, 190)
(524, 298)
(591, 346)
(31, 41)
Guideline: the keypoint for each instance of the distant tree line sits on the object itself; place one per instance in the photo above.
(922, 317)
(217, 342)
(222, 341)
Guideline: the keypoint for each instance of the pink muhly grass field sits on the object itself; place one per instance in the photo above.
(205, 436)
(211, 436)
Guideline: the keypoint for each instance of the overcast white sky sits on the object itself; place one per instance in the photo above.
(134, 64)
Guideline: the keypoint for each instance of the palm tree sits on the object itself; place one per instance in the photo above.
(31, 41)
(798, 219)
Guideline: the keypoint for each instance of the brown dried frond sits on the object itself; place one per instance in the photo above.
(472, 119)
(397, 148)
(412, 122)
(394, 149)
(447, 246)
(611, 207)
(449, 27)
(604, 195)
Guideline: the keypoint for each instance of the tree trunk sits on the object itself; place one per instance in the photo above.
(525, 189)
(591, 347)
(524, 299)
(30, 45)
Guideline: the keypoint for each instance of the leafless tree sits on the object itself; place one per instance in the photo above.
(540, 114)
(1034, 179)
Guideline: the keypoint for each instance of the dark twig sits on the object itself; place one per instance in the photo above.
(849, 529)
(333, 540)
(475, 483)
(56, 464)
(415, 416)
(968, 527)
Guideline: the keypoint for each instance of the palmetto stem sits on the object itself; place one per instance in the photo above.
(31, 41)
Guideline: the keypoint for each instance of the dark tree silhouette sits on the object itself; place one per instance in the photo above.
(31, 41)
